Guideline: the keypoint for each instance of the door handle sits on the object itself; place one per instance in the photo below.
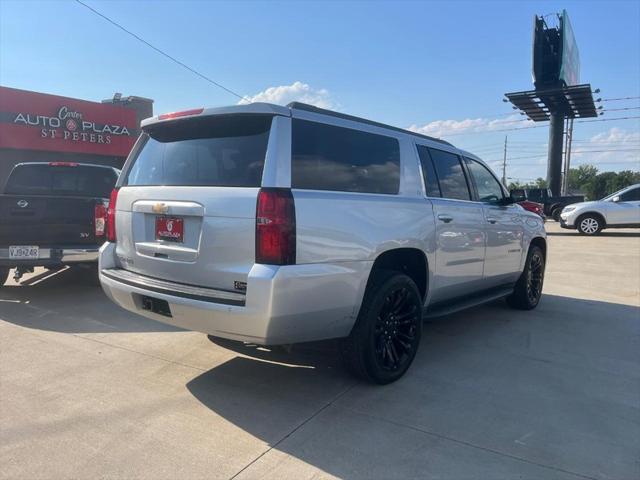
(492, 219)
(445, 218)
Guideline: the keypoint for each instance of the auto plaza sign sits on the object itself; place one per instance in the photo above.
(36, 121)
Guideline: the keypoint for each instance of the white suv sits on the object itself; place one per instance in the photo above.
(277, 225)
(618, 210)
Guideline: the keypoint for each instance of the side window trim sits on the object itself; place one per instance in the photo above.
(429, 159)
(471, 181)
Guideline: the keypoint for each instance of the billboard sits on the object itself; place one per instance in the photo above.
(556, 60)
(38, 121)
(570, 58)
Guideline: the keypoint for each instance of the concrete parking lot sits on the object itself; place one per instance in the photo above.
(88, 390)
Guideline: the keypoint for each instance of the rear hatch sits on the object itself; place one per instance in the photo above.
(53, 204)
(186, 206)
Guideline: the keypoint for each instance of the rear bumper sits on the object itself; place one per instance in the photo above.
(282, 305)
(53, 256)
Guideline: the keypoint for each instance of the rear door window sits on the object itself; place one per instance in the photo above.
(325, 157)
(451, 176)
(224, 151)
(429, 173)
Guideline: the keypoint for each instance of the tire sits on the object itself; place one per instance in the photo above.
(555, 213)
(589, 224)
(528, 290)
(386, 336)
(4, 275)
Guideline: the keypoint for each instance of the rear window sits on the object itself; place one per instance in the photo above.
(324, 157)
(61, 181)
(211, 151)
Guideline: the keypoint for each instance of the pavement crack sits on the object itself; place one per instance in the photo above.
(296, 428)
(156, 357)
(472, 445)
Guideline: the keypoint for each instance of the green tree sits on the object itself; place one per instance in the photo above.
(541, 183)
(579, 177)
(606, 183)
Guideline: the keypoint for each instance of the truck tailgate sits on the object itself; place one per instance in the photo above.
(47, 220)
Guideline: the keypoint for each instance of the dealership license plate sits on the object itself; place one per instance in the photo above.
(170, 229)
(24, 252)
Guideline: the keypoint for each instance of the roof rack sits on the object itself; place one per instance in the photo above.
(323, 111)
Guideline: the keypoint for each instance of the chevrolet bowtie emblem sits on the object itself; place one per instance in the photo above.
(160, 208)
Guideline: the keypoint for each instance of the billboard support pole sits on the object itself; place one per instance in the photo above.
(556, 140)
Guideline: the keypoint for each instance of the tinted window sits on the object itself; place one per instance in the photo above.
(453, 183)
(489, 189)
(429, 173)
(324, 157)
(631, 195)
(210, 151)
(60, 180)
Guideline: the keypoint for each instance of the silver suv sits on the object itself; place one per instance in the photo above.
(277, 225)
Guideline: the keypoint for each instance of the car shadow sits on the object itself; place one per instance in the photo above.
(49, 301)
(606, 233)
(291, 399)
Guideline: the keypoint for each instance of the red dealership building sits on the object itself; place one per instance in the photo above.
(38, 127)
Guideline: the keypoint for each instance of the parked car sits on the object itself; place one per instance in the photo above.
(277, 225)
(618, 210)
(534, 207)
(552, 205)
(53, 214)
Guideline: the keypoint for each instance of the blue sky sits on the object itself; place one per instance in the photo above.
(440, 67)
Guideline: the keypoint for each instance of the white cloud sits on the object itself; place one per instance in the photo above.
(297, 91)
(442, 128)
(616, 146)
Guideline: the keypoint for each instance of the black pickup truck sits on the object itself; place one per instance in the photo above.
(53, 214)
(552, 205)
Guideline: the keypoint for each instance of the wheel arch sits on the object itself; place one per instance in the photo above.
(593, 213)
(411, 261)
(540, 242)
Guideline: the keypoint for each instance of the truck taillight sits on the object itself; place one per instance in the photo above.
(111, 216)
(100, 219)
(275, 227)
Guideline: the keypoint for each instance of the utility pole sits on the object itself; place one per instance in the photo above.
(504, 163)
(567, 160)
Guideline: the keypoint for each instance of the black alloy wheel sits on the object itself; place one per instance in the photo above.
(395, 336)
(528, 290)
(386, 336)
(535, 276)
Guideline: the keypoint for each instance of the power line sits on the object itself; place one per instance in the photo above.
(621, 109)
(619, 98)
(161, 52)
(537, 126)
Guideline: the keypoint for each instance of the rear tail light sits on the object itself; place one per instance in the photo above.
(111, 216)
(100, 219)
(275, 227)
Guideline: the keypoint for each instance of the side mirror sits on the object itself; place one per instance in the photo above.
(616, 198)
(516, 196)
